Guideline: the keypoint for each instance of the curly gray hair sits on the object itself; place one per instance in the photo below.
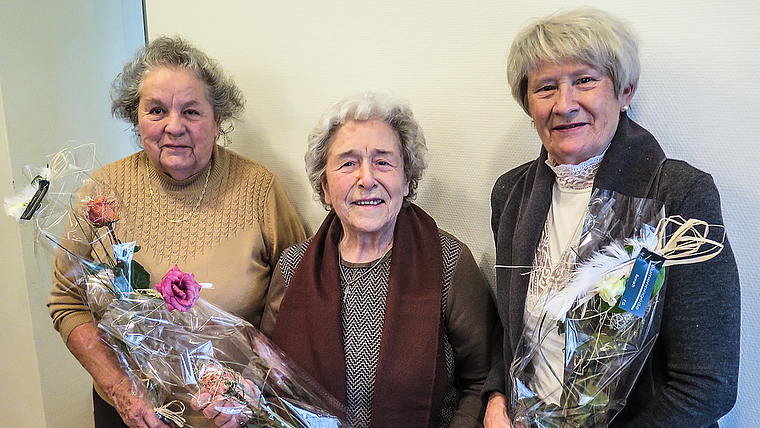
(372, 106)
(586, 35)
(173, 52)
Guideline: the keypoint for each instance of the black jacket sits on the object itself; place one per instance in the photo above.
(690, 379)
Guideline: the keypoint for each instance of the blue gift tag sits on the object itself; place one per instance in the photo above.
(640, 284)
(124, 252)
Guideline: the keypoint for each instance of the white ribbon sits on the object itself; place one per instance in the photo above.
(174, 416)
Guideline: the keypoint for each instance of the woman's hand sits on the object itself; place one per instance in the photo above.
(98, 359)
(135, 412)
(496, 412)
(227, 412)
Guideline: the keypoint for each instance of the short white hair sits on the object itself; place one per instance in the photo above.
(360, 108)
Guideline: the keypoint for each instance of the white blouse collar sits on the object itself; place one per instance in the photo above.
(576, 177)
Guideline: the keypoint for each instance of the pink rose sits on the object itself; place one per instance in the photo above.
(179, 289)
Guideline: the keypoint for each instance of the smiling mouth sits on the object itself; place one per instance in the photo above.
(370, 202)
(569, 126)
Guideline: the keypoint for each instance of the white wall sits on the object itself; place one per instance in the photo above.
(294, 58)
(57, 60)
(24, 405)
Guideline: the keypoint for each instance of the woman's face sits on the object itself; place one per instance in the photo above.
(176, 122)
(574, 109)
(364, 179)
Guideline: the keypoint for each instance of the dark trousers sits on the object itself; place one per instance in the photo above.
(105, 414)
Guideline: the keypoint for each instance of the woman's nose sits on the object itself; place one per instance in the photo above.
(174, 124)
(567, 101)
(367, 176)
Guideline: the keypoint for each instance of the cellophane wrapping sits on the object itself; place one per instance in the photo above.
(171, 357)
(605, 347)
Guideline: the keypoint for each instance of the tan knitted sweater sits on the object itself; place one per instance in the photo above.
(232, 240)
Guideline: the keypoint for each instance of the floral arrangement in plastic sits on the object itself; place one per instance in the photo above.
(201, 355)
(606, 308)
(197, 356)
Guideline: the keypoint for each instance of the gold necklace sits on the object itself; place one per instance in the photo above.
(155, 203)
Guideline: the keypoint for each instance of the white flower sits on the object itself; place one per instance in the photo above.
(15, 205)
(611, 289)
(603, 269)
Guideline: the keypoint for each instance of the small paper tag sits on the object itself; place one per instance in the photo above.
(124, 252)
(639, 287)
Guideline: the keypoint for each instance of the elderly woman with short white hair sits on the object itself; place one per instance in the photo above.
(389, 313)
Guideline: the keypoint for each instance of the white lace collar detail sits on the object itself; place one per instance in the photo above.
(577, 177)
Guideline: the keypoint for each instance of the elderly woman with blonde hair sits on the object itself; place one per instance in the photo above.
(575, 75)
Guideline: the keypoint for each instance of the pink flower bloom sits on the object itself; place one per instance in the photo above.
(102, 212)
(219, 380)
(179, 289)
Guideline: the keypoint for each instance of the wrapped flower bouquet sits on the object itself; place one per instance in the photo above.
(595, 327)
(181, 352)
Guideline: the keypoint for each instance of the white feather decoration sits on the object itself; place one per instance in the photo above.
(603, 270)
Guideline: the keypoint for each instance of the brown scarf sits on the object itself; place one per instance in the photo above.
(411, 368)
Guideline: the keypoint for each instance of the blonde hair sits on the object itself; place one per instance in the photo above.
(585, 35)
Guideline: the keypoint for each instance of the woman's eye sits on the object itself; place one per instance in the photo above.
(546, 88)
(583, 80)
(348, 164)
(156, 110)
(192, 112)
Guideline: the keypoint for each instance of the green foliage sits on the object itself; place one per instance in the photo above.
(140, 277)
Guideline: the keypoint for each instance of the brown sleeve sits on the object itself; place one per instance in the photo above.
(66, 303)
(469, 315)
(274, 296)
(282, 227)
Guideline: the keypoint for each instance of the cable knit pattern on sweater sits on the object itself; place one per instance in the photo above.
(227, 206)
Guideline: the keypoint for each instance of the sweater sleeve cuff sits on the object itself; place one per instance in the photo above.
(72, 321)
(494, 382)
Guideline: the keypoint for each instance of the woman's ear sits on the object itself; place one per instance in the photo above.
(625, 97)
(325, 190)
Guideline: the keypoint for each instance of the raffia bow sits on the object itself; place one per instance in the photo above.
(688, 244)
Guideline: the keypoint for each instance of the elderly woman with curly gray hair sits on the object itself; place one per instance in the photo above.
(389, 313)
(575, 74)
(186, 200)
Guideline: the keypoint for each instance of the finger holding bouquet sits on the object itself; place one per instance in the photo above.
(184, 199)
(582, 349)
